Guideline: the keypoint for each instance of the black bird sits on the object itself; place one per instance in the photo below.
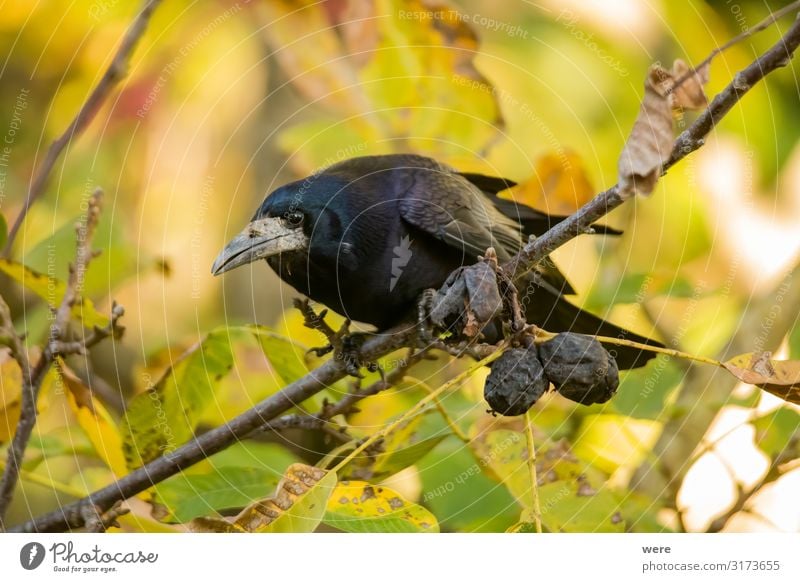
(368, 235)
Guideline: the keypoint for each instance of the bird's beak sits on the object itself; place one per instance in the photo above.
(261, 239)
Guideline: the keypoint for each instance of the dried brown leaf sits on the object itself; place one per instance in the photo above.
(650, 142)
(690, 93)
(778, 377)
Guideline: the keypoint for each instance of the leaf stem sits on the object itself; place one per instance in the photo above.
(418, 407)
(536, 506)
(454, 428)
(667, 351)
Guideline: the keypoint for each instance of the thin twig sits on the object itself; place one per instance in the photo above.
(56, 346)
(703, 391)
(779, 55)
(454, 428)
(768, 21)
(216, 439)
(743, 496)
(97, 521)
(90, 107)
(402, 335)
(418, 407)
(535, 505)
(348, 402)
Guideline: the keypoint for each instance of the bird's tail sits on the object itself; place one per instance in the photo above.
(555, 314)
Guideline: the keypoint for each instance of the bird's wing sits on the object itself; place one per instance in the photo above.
(533, 221)
(450, 208)
(461, 210)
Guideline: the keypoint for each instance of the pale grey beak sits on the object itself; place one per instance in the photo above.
(260, 239)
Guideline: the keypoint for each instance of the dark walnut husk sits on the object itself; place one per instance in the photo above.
(516, 382)
(580, 368)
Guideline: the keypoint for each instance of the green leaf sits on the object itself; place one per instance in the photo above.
(393, 460)
(287, 357)
(360, 507)
(460, 495)
(566, 509)
(119, 260)
(52, 291)
(637, 287)
(776, 430)
(96, 422)
(306, 510)
(165, 416)
(232, 478)
(298, 505)
(186, 496)
(643, 392)
(502, 456)
(266, 456)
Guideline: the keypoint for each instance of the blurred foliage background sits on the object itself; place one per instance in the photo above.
(225, 100)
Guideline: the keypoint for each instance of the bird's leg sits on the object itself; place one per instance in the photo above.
(424, 333)
(313, 320)
(345, 345)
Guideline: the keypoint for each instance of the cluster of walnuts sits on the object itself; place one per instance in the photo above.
(578, 366)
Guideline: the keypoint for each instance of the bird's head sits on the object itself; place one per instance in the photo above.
(296, 220)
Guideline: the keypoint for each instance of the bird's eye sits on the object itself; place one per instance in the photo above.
(294, 218)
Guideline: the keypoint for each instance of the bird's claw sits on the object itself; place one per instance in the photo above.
(349, 352)
(424, 329)
(346, 346)
(314, 320)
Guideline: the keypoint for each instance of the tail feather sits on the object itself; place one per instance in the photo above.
(556, 314)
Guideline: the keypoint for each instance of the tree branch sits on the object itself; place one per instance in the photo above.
(779, 55)
(743, 496)
(215, 440)
(114, 73)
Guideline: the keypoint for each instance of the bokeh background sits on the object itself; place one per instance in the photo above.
(225, 100)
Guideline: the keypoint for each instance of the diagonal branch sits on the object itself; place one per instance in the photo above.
(114, 73)
(215, 440)
(779, 55)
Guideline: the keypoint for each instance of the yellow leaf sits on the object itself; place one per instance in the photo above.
(95, 421)
(408, 64)
(361, 507)
(10, 395)
(610, 441)
(559, 185)
(314, 60)
(52, 291)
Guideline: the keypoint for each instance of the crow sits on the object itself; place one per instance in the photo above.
(367, 236)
